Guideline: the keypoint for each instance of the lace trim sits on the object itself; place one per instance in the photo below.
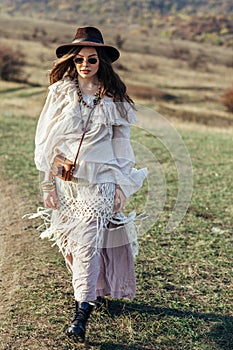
(85, 217)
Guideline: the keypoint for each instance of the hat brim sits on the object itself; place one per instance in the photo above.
(111, 51)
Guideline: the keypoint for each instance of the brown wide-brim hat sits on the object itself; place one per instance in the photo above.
(88, 36)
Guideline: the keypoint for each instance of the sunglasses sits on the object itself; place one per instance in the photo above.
(80, 60)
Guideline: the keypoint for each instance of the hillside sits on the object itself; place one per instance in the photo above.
(121, 8)
(181, 79)
(199, 20)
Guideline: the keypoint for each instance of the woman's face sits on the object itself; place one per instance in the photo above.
(87, 62)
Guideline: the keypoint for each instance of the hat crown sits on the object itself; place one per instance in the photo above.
(90, 34)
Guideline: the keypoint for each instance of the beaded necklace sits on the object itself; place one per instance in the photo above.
(86, 127)
(80, 96)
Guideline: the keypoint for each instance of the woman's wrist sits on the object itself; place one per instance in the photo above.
(48, 176)
(48, 186)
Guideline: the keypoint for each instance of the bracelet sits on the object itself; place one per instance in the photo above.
(48, 190)
(48, 186)
(48, 182)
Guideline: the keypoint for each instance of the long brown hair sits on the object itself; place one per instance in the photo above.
(112, 85)
(63, 66)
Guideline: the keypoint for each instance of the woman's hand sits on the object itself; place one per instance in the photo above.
(50, 200)
(119, 200)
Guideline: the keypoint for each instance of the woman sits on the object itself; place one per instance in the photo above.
(86, 95)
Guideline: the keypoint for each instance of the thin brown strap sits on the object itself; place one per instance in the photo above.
(79, 146)
(82, 138)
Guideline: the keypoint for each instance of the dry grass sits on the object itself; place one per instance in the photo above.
(20, 104)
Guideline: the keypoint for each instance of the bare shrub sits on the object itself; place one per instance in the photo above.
(40, 35)
(54, 39)
(229, 63)
(26, 37)
(121, 67)
(149, 93)
(149, 65)
(146, 49)
(11, 64)
(227, 100)
(198, 61)
(179, 52)
(119, 41)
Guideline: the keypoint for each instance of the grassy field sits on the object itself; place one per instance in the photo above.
(184, 277)
(184, 295)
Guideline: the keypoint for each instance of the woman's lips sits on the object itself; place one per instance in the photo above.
(85, 71)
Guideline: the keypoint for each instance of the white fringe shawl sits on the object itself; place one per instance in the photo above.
(85, 217)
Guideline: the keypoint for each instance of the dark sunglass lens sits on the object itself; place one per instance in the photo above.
(78, 60)
(92, 60)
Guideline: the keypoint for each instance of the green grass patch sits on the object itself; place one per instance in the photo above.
(184, 280)
(16, 151)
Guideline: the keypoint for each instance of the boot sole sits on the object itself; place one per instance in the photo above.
(78, 338)
(75, 338)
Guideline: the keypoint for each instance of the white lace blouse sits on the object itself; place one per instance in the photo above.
(106, 154)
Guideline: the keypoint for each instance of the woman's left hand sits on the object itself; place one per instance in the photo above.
(119, 200)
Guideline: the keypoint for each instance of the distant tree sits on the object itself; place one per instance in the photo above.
(11, 64)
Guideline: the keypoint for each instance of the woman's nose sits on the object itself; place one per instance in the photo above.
(85, 62)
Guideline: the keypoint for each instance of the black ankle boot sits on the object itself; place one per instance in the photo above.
(100, 303)
(77, 328)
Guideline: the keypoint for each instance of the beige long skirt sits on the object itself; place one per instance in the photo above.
(100, 265)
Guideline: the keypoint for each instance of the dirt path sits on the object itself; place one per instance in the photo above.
(14, 240)
(22, 275)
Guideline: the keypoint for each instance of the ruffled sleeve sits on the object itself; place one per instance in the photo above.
(54, 107)
(116, 113)
(130, 179)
